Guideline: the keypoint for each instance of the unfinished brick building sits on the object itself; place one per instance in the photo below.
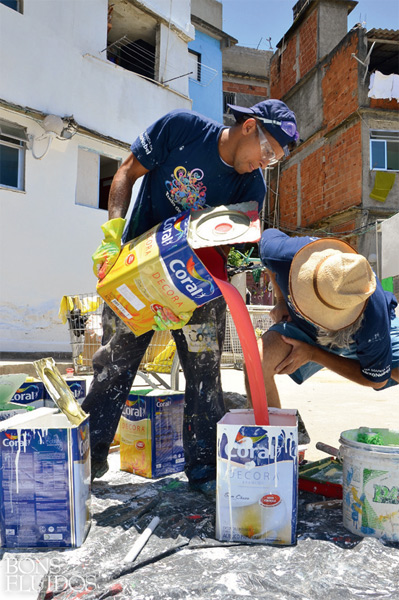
(323, 73)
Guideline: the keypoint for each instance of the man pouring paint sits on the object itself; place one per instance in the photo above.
(186, 161)
(331, 311)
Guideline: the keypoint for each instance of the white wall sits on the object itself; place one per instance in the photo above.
(390, 247)
(46, 239)
(178, 12)
(49, 72)
(173, 67)
(81, 23)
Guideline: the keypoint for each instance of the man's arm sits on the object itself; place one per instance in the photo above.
(302, 353)
(118, 203)
(122, 184)
(280, 310)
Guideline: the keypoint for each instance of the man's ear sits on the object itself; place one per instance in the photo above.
(249, 126)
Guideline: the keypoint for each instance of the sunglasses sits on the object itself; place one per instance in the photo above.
(287, 126)
(267, 154)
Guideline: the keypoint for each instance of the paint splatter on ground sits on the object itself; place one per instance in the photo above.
(183, 560)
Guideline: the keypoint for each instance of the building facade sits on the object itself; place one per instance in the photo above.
(206, 54)
(245, 77)
(330, 185)
(81, 83)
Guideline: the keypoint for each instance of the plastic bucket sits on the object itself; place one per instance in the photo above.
(371, 484)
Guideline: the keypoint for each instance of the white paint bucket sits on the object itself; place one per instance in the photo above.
(371, 484)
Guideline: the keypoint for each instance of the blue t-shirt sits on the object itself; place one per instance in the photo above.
(372, 340)
(185, 171)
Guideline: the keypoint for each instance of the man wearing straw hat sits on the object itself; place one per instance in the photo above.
(331, 311)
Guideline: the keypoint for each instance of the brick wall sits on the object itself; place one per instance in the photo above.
(308, 44)
(299, 56)
(313, 205)
(288, 197)
(331, 176)
(384, 103)
(282, 70)
(340, 83)
(243, 88)
(344, 229)
(343, 183)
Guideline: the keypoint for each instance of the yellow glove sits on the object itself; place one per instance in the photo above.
(107, 253)
(166, 319)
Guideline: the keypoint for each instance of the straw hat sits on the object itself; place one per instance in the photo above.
(330, 283)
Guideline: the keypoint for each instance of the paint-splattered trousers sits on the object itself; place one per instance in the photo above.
(199, 345)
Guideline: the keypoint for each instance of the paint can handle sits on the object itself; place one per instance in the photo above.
(327, 449)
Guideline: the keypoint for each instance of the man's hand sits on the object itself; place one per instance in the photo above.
(166, 319)
(280, 312)
(301, 353)
(106, 254)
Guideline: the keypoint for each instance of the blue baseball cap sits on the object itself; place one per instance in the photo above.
(275, 117)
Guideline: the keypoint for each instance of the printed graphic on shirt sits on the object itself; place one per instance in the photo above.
(146, 142)
(186, 190)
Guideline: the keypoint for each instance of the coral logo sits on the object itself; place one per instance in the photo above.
(140, 445)
(26, 394)
(84, 442)
(173, 230)
(11, 439)
(134, 402)
(133, 408)
(240, 438)
(178, 224)
(164, 401)
(186, 274)
(193, 272)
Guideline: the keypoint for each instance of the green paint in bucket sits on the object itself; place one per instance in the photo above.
(371, 483)
(368, 436)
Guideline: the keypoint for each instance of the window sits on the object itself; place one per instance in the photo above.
(13, 140)
(94, 178)
(14, 4)
(132, 41)
(194, 65)
(384, 150)
(228, 98)
(138, 57)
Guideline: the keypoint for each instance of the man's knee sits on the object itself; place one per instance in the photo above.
(272, 351)
(395, 374)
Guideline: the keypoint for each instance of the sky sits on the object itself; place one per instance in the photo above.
(252, 22)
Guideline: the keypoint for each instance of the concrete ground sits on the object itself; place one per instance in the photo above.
(328, 403)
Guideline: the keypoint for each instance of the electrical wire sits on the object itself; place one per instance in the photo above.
(50, 135)
(307, 230)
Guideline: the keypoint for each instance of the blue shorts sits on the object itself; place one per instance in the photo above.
(290, 329)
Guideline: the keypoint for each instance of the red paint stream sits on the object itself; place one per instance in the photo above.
(239, 312)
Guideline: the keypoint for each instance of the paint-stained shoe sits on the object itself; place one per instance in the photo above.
(98, 469)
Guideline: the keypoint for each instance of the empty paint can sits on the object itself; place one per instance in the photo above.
(371, 484)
